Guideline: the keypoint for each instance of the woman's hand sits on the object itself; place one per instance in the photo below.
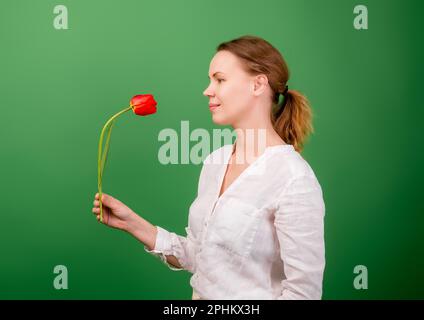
(115, 213)
(118, 215)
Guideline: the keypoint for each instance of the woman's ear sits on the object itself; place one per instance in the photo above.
(259, 84)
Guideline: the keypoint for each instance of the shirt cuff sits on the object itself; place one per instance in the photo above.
(163, 247)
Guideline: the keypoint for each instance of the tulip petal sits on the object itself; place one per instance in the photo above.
(143, 104)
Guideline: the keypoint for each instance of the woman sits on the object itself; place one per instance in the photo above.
(256, 227)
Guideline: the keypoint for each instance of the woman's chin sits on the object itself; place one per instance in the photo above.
(220, 120)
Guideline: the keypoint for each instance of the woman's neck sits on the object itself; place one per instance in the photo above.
(252, 142)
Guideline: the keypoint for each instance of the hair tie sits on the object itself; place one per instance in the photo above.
(284, 93)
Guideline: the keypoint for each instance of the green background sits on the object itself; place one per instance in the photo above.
(58, 88)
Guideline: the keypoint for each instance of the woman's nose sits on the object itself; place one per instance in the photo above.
(207, 91)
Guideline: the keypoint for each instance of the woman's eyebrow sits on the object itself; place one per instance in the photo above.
(215, 74)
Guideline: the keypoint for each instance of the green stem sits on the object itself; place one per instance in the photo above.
(106, 150)
(102, 157)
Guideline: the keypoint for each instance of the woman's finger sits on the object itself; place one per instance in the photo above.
(105, 218)
(96, 203)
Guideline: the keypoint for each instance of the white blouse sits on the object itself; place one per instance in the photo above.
(263, 238)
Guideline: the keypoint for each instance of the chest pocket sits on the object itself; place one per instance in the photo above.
(234, 227)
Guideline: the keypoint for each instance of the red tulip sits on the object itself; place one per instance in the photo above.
(142, 105)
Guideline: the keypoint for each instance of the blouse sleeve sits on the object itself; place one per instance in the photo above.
(299, 222)
(182, 248)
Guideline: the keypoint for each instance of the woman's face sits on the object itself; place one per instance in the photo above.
(230, 88)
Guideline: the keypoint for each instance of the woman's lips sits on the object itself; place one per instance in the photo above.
(213, 106)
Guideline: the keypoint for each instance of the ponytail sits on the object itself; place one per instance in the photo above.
(292, 119)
